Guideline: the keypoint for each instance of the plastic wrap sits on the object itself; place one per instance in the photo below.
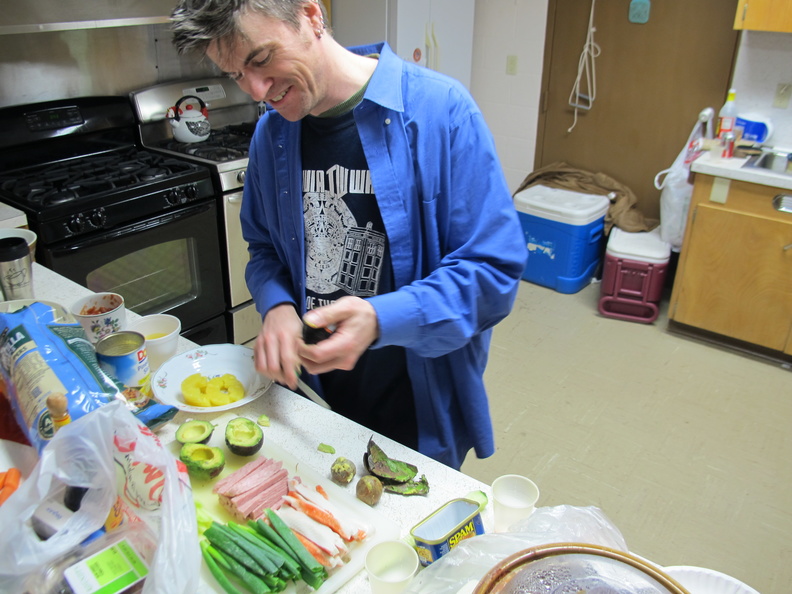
(471, 559)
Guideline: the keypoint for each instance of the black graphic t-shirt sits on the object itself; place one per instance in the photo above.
(347, 253)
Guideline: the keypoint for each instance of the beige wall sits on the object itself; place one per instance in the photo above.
(510, 102)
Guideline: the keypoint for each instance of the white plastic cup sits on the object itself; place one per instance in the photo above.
(514, 498)
(161, 332)
(391, 566)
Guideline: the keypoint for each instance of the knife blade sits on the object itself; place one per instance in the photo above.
(308, 391)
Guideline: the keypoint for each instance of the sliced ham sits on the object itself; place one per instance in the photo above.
(253, 480)
(259, 484)
(238, 475)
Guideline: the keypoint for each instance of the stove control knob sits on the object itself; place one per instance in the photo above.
(76, 224)
(176, 196)
(98, 218)
(241, 177)
(191, 191)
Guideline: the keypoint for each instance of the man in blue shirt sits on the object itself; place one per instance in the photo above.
(375, 205)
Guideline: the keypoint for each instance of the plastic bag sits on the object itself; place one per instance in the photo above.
(676, 187)
(472, 558)
(127, 472)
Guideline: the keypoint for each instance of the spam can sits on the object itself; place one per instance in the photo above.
(123, 356)
(445, 528)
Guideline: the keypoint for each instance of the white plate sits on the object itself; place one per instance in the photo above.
(210, 361)
(382, 527)
(698, 580)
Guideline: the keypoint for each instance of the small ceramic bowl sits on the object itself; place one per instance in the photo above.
(100, 314)
(162, 336)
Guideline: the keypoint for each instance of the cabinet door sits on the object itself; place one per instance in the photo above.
(764, 15)
(738, 277)
(437, 34)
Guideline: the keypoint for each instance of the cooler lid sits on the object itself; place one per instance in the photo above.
(644, 246)
(563, 206)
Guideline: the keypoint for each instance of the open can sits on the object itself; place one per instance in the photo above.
(123, 356)
(445, 528)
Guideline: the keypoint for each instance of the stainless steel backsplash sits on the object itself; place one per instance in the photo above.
(96, 61)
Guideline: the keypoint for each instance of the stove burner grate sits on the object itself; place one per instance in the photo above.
(226, 144)
(89, 175)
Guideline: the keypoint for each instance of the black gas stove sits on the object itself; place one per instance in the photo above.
(74, 168)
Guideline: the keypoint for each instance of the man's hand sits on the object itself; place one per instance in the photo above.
(277, 345)
(356, 327)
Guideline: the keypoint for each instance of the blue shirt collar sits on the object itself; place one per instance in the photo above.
(384, 88)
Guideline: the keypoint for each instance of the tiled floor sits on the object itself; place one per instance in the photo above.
(686, 447)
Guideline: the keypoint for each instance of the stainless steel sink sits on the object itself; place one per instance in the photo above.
(771, 160)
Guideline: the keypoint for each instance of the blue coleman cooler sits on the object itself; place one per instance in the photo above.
(564, 236)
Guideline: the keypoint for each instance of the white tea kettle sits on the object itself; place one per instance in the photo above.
(189, 124)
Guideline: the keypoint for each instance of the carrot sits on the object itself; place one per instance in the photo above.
(10, 484)
(2, 479)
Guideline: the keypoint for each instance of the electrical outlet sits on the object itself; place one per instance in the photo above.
(511, 65)
(782, 95)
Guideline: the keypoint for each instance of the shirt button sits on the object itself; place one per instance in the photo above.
(387, 121)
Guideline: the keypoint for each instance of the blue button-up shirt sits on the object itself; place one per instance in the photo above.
(457, 248)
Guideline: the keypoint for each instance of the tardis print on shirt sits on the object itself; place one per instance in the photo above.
(345, 243)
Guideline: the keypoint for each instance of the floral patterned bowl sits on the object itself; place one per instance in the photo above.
(100, 314)
(210, 361)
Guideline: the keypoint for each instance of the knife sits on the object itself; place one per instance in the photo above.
(308, 391)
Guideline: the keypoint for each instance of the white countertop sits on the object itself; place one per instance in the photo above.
(297, 425)
(11, 217)
(711, 164)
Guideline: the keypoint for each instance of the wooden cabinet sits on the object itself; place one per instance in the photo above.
(764, 15)
(734, 276)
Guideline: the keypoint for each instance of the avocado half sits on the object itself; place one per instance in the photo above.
(243, 436)
(202, 461)
(194, 432)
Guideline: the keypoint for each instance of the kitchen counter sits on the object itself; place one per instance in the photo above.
(711, 164)
(298, 426)
(11, 218)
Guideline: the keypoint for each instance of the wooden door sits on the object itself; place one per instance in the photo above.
(652, 81)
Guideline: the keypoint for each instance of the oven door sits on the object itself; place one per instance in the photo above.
(169, 263)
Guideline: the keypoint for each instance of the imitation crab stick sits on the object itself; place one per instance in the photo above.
(315, 504)
(10, 484)
(317, 553)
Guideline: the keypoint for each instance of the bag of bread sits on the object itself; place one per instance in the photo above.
(45, 355)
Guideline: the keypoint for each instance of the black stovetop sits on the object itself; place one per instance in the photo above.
(75, 167)
(89, 177)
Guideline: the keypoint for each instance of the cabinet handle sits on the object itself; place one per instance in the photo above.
(783, 202)
(788, 247)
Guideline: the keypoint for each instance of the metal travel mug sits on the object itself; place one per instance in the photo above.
(16, 269)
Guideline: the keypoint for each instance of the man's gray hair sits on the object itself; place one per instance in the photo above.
(198, 23)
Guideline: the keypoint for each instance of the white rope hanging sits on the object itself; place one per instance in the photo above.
(587, 69)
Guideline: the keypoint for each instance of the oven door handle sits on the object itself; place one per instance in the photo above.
(235, 198)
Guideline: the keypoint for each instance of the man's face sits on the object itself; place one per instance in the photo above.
(275, 63)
